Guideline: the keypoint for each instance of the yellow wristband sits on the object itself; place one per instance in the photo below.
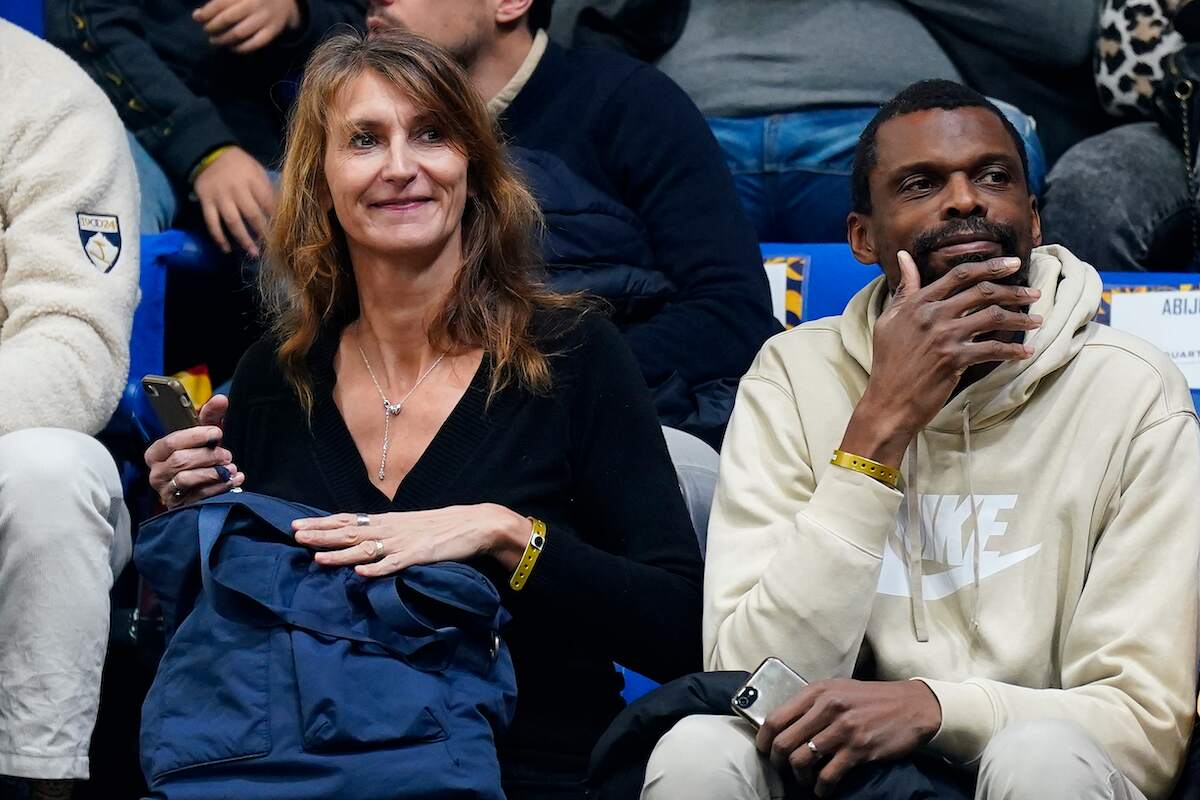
(537, 541)
(872, 469)
(206, 162)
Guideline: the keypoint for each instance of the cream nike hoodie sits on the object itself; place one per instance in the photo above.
(1041, 563)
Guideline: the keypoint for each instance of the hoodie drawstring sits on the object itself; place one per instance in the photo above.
(914, 545)
(915, 538)
(975, 542)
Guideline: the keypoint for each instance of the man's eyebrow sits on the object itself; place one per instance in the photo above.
(914, 167)
(997, 157)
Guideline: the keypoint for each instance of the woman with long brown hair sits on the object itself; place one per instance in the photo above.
(418, 378)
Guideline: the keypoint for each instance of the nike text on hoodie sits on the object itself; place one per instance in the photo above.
(1040, 562)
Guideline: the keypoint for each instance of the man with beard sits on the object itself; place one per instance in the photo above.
(1017, 610)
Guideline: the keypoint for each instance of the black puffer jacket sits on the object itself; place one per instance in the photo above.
(596, 246)
(618, 764)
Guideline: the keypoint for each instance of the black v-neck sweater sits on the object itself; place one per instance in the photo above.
(620, 576)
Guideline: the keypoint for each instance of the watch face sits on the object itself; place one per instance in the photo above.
(537, 542)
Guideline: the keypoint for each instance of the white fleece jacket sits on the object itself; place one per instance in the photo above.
(1041, 564)
(68, 242)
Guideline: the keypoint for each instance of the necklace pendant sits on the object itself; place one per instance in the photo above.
(393, 409)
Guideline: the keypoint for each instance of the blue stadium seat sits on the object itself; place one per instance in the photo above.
(25, 13)
(170, 250)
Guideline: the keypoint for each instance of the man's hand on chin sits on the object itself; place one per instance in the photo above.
(833, 726)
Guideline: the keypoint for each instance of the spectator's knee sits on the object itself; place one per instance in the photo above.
(50, 460)
(57, 478)
(1097, 176)
(707, 757)
(1044, 758)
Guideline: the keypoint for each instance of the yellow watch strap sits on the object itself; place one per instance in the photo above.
(537, 541)
(872, 469)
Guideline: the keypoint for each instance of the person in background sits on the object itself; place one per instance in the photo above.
(419, 380)
(68, 287)
(787, 87)
(202, 88)
(1126, 199)
(674, 254)
(991, 586)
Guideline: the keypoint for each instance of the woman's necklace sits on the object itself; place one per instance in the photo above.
(392, 409)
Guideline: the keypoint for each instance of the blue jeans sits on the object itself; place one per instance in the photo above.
(792, 171)
(159, 202)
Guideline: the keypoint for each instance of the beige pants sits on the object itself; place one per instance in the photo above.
(64, 534)
(713, 758)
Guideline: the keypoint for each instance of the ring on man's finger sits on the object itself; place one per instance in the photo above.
(378, 543)
(812, 748)
(176, 492)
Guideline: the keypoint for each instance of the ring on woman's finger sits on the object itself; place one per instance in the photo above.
(812, 748)
(362, 520)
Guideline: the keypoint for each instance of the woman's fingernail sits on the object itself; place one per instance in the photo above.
(222, 474)
(211, 443)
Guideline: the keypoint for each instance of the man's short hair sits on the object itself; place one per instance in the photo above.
(920, 96)
(538, 17)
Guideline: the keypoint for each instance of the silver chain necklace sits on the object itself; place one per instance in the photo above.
(391, 409)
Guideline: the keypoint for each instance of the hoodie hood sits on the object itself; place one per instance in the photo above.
(1071, 292)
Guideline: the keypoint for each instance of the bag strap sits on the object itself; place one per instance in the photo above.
(276, 513)
(1174, 104)
(210, 524)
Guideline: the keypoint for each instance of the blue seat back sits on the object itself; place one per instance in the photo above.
(24, 13)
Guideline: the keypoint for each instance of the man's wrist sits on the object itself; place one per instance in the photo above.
(207, 162)
(878, 433)
(929, 721)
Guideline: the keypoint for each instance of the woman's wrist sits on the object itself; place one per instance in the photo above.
(509, 538)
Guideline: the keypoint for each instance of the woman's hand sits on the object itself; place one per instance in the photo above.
(190, 465)
(390, 542)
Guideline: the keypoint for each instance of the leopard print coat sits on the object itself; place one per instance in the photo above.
(1136, 36)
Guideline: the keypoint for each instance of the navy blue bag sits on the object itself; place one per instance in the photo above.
(285, 680)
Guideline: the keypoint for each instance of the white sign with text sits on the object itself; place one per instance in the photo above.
(1168, 320)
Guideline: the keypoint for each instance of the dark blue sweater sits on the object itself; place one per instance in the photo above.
(627, 130)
